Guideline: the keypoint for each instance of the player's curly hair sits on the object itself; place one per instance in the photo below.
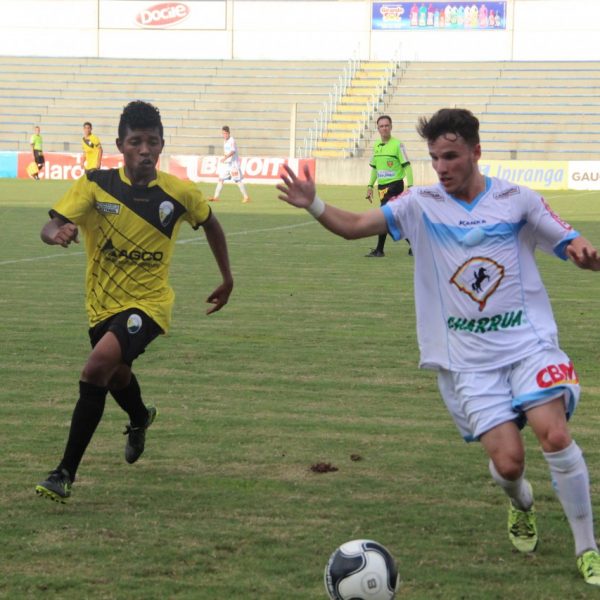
(458, 121)
(139, 115)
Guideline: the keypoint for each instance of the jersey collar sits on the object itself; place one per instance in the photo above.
(126, 180)
(469, 206)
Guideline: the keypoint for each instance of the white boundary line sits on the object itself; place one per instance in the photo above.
(186, 241)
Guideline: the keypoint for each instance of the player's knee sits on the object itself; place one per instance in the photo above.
(120, 379)
(509, 466)
(555, 439)
(97, 371)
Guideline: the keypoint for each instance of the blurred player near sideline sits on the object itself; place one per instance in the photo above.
(130, 218)
(484, 320)
(37, 148)
(92, 148)
(389, 168)
(229, 168)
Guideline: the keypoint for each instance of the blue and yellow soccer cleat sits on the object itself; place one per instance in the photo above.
(136, 437)
(57, 486)
(522, 528)
(588, 564)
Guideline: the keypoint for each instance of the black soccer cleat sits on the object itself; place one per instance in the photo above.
(57, 486)
(136, 437)
(375, 254)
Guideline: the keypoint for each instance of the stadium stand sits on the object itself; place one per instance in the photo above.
(196, 99)
(528, 110)
(354, 109)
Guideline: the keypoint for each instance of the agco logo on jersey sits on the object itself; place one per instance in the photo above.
(556, 375)
(132, 256)
(164, 14)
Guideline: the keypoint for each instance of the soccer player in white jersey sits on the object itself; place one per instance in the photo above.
(230, 168)
(484, 321)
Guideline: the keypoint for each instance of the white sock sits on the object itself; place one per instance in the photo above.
(519, 491)
(218, 189)
(243, 189)
(572, 486)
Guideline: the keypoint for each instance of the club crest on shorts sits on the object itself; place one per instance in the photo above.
(165, 212)
(134, 323)
(479, 278)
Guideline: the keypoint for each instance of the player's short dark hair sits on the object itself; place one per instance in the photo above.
(458, 121)
(384, 117)
(87, 123)
(225, 128)
(140, 115)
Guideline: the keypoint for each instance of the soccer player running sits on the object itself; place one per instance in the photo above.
(130, 218)
(230, 168)
(484, 320)
(92, 148)
(389, 168)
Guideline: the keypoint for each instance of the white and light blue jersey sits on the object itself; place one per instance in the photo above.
(480, 300)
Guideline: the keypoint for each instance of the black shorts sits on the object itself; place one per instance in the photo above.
(390, 191)
(38, 157)
(134, 330)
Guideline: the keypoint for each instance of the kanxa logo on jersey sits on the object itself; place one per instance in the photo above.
(145, 257)
(559, 374)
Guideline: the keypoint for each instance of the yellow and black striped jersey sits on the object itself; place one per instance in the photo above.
(91, 149)
(129, 233)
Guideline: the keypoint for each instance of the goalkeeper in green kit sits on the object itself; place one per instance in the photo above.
(389, 168)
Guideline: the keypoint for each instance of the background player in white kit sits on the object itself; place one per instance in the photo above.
(484, 321)
(230, 166)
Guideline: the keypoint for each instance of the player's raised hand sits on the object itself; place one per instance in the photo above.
(583, 254)
(297, 192)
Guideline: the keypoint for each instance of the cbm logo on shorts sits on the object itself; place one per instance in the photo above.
(134, 323)
(556, 375)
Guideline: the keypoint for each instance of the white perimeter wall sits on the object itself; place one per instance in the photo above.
(290, 30)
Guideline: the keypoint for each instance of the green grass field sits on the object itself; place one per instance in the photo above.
(314, 360)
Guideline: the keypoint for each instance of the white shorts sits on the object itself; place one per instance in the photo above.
(230, 171)
(483, 400)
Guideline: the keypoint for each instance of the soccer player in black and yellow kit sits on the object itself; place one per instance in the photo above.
(130, 218)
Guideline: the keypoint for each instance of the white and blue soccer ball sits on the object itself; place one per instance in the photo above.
(362, 570)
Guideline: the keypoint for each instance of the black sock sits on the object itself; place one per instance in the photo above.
(381, 242)
(130, 400)
(86, 416)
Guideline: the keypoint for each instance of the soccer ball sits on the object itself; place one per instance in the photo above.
(362, 570)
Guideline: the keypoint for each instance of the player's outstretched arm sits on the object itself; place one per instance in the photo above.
(218, 245)
(349, 225)
(58, 233)
(583, 254)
